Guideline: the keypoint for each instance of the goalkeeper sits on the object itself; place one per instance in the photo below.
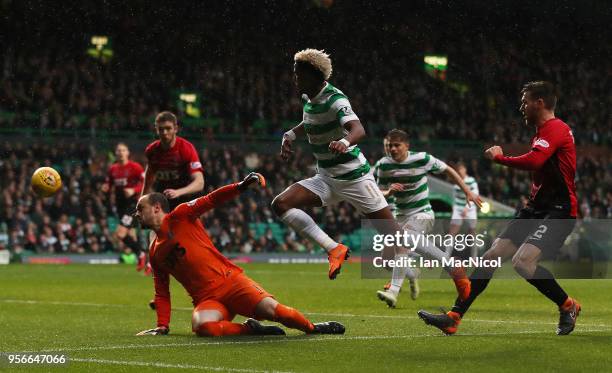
(219, 289)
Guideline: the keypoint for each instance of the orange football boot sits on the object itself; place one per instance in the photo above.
(336, 257)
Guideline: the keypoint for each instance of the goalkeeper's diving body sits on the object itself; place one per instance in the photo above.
(219, 289)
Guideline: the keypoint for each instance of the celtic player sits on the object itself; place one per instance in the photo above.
(462, 213)
(333, 131)
(403, 175)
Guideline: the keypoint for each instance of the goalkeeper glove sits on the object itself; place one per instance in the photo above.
(251, 181)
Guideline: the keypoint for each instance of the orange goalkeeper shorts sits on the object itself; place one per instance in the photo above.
(238, 295)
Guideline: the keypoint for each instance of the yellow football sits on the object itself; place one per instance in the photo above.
(46, 182)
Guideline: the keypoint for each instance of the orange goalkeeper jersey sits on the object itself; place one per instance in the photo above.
(184, 250)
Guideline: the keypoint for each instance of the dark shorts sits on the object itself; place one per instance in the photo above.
(125, 213)
(546, 230)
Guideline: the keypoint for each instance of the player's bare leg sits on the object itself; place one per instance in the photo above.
(525, 263)
(449, 322)
(289, 205)
(270, 309)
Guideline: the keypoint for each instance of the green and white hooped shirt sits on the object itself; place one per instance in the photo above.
(412, 174)
(459, 200)
(324, 119)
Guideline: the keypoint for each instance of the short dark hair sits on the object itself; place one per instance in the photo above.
(542, 90)
(166, 116)
(161, 199)
(398, 135)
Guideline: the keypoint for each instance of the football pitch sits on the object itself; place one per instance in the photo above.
(90, 313)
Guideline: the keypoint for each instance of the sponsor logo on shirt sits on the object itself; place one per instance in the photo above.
(164, 175)
(541, 142)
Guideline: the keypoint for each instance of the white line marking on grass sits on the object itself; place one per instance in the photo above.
(299, 339)
(173, 366)
(406, 317)
(58, 303)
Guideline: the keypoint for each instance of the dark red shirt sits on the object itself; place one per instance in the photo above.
(552, 160)
(130, 175)
(173, 167)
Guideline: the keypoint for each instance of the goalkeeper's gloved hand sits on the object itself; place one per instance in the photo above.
(160, 330)
(251, 181)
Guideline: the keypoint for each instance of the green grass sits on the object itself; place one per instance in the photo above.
(91, 313)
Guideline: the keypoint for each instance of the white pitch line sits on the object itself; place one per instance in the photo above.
(405, 317)
(58, 303)
(296, 339)
(173, 366)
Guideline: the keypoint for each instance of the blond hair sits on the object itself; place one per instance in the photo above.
(317, 59)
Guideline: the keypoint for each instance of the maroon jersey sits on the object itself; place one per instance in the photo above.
(552, 160)
(130, 175)
(173, 167)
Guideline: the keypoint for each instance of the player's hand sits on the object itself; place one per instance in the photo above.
(160, 330)
(493, 152)
(171, 193)
(128, 192)
(472, 197)
(286, 151)
(337, 147)
(251, 181)
(395, 187)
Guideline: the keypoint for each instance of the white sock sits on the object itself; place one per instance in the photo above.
(302, 223)
(412, 273)
(399, 274)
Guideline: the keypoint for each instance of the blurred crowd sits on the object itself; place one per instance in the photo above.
(239, 57)
(242, 68)
(79, 219)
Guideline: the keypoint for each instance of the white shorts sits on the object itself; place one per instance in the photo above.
(362, 193)
(470, 218)
(419, 222)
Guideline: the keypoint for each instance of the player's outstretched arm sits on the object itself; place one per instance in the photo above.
(531, 161)
(469, 195)
(356, 133)
(288, 138)
(219, 196)
(163, 306)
